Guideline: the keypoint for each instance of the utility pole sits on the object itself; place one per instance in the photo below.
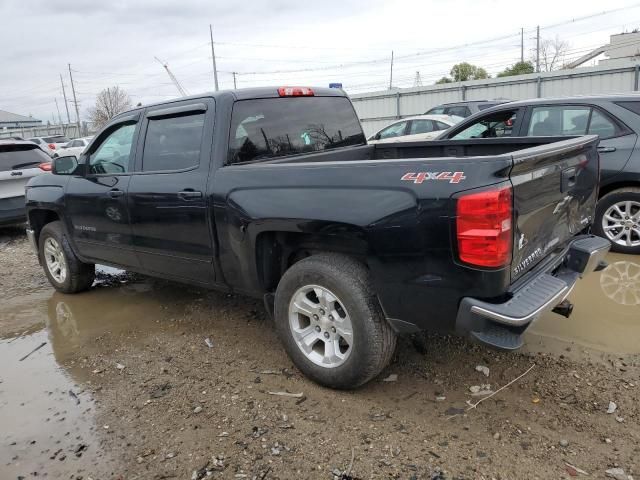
(522, 45)
(213, 56)
(538, 49)
(391, 72)
(75, 101)
(234, 80)
(65, 101)
(417, 82)
(59, 116)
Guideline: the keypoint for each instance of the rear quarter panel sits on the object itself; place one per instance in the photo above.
(403, 226)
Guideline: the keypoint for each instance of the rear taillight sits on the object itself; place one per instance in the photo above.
(52, 146)
(483, 227)
(46, 166)
(295, 92)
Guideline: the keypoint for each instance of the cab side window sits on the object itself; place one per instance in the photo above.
(173, 143)
(111, 156)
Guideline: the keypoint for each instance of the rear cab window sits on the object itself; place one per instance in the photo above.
(268, 128)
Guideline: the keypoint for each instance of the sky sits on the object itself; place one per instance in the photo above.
(272, 42)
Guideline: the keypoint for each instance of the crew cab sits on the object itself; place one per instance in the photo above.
(275, 193)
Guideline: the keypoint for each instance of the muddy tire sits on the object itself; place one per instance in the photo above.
(330, 321)
(618, 220)
(64, 270)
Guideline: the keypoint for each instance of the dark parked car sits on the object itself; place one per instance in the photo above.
(463, 109)
(614, 118)
(274, 193)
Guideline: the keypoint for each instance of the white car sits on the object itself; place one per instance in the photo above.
(50, 144)
(415, 129)
(75, 147)
(19, 161)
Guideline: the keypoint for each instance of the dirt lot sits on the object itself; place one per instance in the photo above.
(125, 387)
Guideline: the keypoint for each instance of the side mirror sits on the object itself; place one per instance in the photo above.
(64, 165)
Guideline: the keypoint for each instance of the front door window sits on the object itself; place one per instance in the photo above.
(113, 154)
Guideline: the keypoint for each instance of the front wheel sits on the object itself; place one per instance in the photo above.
(331, 323)
(618, 220)
(64, 270)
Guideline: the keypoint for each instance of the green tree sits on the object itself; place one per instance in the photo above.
(444, 80)
(519, 68)
(464, 71)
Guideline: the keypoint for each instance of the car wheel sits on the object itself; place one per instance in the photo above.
(331, 323)
(64, 270)
(618, 220)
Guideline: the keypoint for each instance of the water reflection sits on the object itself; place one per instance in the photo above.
(606, 316)
(76, 322)
(620, 282)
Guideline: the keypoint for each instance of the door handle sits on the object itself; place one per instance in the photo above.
(606, 149)
(115, 193)
(189, 194)
(569, 179)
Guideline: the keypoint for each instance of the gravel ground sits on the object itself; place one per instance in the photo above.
(167, 405)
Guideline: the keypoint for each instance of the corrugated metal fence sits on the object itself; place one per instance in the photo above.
(68, 130)
(378, 109)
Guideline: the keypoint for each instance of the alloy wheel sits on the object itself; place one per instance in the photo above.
(621, 223)
(321, 326)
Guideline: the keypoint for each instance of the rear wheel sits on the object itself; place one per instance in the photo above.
(331, 323)
(618, 220)
(64, 270)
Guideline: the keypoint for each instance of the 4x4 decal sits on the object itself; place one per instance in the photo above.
(455, 177)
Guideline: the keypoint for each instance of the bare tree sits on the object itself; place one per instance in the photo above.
(109, 103)
(552, 53)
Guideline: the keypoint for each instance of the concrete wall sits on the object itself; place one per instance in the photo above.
(377, 109)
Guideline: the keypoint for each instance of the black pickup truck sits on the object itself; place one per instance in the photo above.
(274, 193)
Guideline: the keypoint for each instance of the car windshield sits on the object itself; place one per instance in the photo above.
(499, 124)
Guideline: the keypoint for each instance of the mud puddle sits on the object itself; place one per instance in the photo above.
(47, 409)
(606, 316)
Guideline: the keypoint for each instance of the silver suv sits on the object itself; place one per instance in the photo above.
(19, 161)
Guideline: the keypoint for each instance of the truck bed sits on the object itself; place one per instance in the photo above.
(426, 149)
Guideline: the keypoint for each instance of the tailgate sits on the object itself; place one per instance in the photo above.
(555, 194)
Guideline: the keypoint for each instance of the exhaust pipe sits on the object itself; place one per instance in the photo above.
(564, 308)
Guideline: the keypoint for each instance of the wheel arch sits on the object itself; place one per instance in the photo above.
(613, 186)
(40, 217)
(276, 251)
